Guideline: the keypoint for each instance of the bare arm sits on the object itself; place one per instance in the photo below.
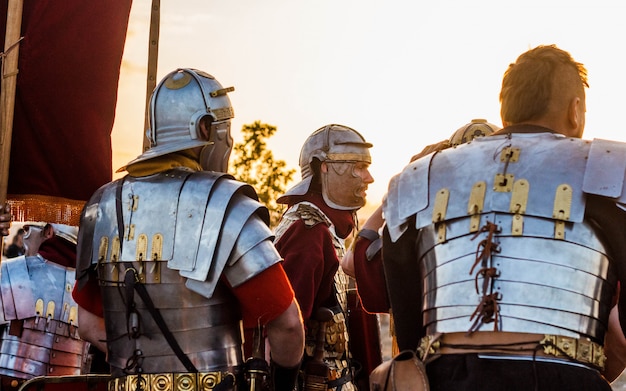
(91, 329)
(286, 337)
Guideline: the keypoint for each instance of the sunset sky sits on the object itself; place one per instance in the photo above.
(404, 73)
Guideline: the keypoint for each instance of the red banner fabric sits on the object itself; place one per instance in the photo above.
(69, 66)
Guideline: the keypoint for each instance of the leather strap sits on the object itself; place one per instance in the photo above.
(169, 337)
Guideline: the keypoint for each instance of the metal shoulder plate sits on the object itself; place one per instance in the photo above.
(84, 249)
(305, 211)
(24, 296)
(605, 170)
(239, 242)
(539, 175)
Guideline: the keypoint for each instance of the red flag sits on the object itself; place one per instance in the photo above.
(69, 66)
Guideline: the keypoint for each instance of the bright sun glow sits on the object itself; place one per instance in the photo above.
(403, 73)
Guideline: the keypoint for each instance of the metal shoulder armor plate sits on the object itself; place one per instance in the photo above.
(24, 296)
(492, 174)
(606, 169)
(503, 244)
(84, 248)
(192, 220)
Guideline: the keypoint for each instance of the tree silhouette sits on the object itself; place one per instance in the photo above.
(254, 164)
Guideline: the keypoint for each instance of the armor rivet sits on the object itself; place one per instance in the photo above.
(566, 346)
(14, 383)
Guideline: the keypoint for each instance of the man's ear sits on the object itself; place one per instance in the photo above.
(204, 128)
(324, 167)
(48, 231)
(574, 112)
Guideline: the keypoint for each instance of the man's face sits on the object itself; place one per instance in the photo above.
(344, 183)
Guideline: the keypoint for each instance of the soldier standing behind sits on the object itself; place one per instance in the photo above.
(310, 236)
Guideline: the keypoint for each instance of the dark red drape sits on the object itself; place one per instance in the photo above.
(69, 66)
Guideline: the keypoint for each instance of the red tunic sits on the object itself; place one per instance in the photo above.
(371, 278)
(310, 258)
(311, 262)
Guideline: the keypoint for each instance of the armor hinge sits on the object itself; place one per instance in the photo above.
(130, 232)
(140, 256)
(510, 154)
(476, 203)
(562, 208)
(115, 257)
(50, 310)
(519, 201)
(153, 274)
(503, 183)
(134, 202)
(73, 318)
(39, 307)
(439, 213)
(103, 249)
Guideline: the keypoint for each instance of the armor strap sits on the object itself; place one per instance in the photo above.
(118, 211)
(131, 279)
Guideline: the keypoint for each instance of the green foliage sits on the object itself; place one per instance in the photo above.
(254, 164)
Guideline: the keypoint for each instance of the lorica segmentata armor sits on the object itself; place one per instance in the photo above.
(507, 247)
(40, 329)
(182, 231)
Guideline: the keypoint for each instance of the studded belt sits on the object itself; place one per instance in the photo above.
(201, 381)
(514, 344)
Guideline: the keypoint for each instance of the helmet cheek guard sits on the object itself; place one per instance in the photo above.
(215, 155)
(177, 106)
(341, 148)
(341, 186)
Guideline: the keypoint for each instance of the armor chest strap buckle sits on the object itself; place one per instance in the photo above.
(580, 350)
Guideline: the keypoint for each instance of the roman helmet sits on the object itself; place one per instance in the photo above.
(476, 128)
(178, 104)
(340, 147)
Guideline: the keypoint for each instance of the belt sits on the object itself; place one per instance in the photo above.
(515, 344)
(201, 381)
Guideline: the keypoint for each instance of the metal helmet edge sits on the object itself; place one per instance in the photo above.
(475, 128)
(178, 104)
(330, 143)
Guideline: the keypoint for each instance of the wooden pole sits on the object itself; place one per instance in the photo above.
(9, 82)
(7, 97)
(153, 59)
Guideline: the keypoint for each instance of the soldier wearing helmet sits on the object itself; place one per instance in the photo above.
(363, 260)
(321, 213)
(183, 256)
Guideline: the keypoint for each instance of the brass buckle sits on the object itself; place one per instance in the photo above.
(581, 350)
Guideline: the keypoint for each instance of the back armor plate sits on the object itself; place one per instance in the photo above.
(505, 247)
(183, 230)
(41, 336)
